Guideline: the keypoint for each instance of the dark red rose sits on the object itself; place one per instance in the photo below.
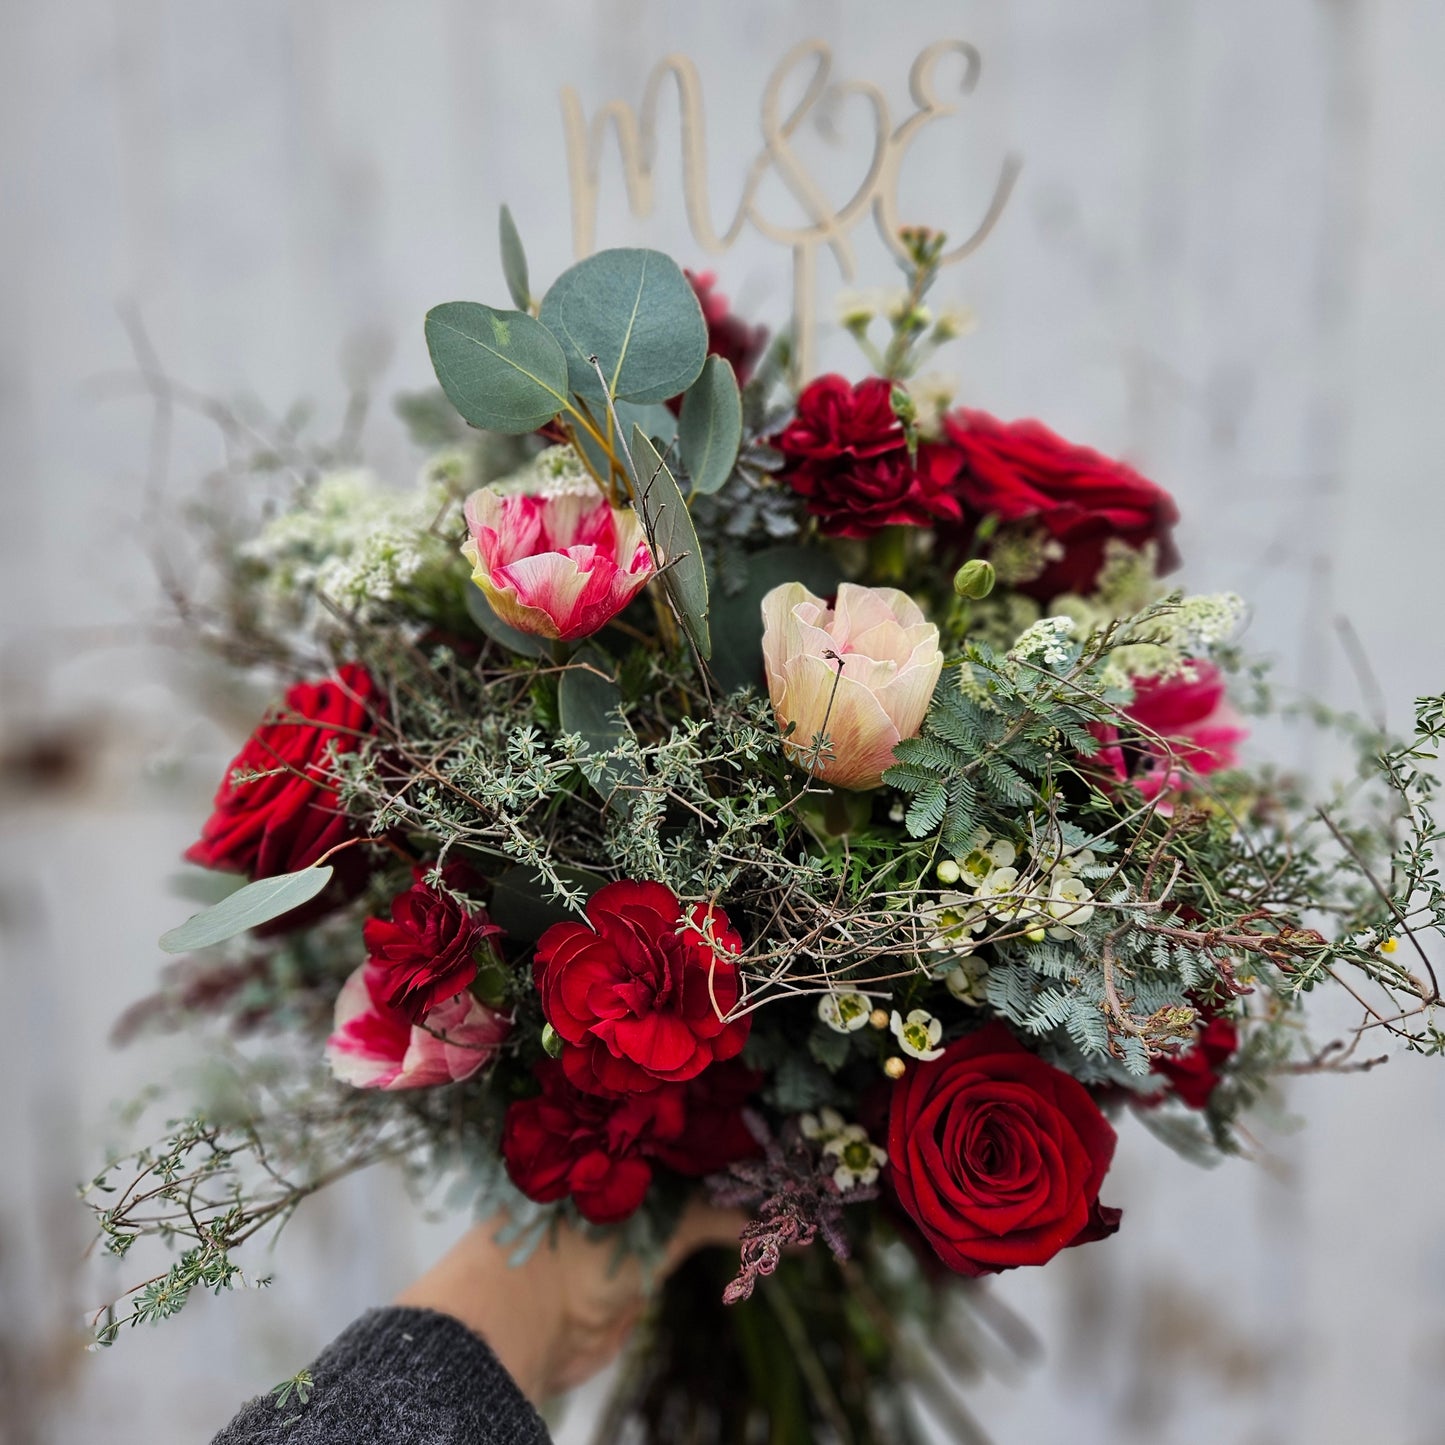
(288, 818)
(1193, 1073)
(729, 337)
(601, 1150)
(998, 1156)
(1021, 472)
(428, 947)
(636, 997)
(845, 452)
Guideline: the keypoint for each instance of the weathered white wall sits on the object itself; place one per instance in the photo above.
(1220, 259)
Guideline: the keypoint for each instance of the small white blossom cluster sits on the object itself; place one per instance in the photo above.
(354, 541)
(552, 472)
(1049, 640)
(856, 1158)
(996, 885)
(1127, 583)
(856, 308)
(1165, 645)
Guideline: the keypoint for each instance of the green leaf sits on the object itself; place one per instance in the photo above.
(829, 1047)
(634, 311)
(521, 905)
(247, 907)
(503, 370)
(484, 615)
(673, 539)
(589, 704)
(710, 430)
(738, 642)
(514, 261)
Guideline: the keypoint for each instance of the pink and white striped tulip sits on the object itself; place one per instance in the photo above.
(875, 647)
(559, 565)
(374, 1046)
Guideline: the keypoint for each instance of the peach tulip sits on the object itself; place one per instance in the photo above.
(375, 1046)
(558, 565)
(875, 649)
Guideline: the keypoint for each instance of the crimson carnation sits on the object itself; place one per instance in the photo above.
(1022, 472)
(728, 336)
(289, 815)
(637, 994)
(1194, 1072)
(845, 452)
(601, 1150)
(997, 1156)
(428, 947)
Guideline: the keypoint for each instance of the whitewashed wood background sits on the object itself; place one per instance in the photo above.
(1221, 260)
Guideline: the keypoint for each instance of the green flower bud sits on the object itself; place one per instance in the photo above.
(974, 579)
(551, 1041)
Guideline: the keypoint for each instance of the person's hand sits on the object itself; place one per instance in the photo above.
(559, 1318)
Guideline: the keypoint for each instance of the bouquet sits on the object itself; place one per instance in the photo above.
(806, 791)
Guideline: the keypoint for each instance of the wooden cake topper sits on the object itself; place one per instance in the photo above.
(827, 225)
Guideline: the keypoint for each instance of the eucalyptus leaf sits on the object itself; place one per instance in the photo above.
(503, 370)
(521, 904)
(514, 261)
(673, 539)
(635, 312)
(710, 430)
(738, 652)
(247, 907)
(485, 616)
(589, 703)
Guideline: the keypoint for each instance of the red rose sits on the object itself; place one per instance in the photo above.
(997, 1156)
(1193, 1073)
(1021, 472)
(729, 337)
(636, 999)
(288, 818)
(845, 452)
(600, 1150)
(428, 948)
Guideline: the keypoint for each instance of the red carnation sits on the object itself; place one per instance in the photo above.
(728, 336)
(428, 948)
(845, 452)
(600, 1150)
(639, 999)
(997, 1156)
(1021, 472)
(289, 816)
(1194, 1072)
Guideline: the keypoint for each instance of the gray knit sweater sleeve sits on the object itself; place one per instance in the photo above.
(398, 1377)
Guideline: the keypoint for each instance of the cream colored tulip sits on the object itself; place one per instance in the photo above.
(861, 672)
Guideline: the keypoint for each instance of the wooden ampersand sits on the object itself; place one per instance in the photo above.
(826, 225)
